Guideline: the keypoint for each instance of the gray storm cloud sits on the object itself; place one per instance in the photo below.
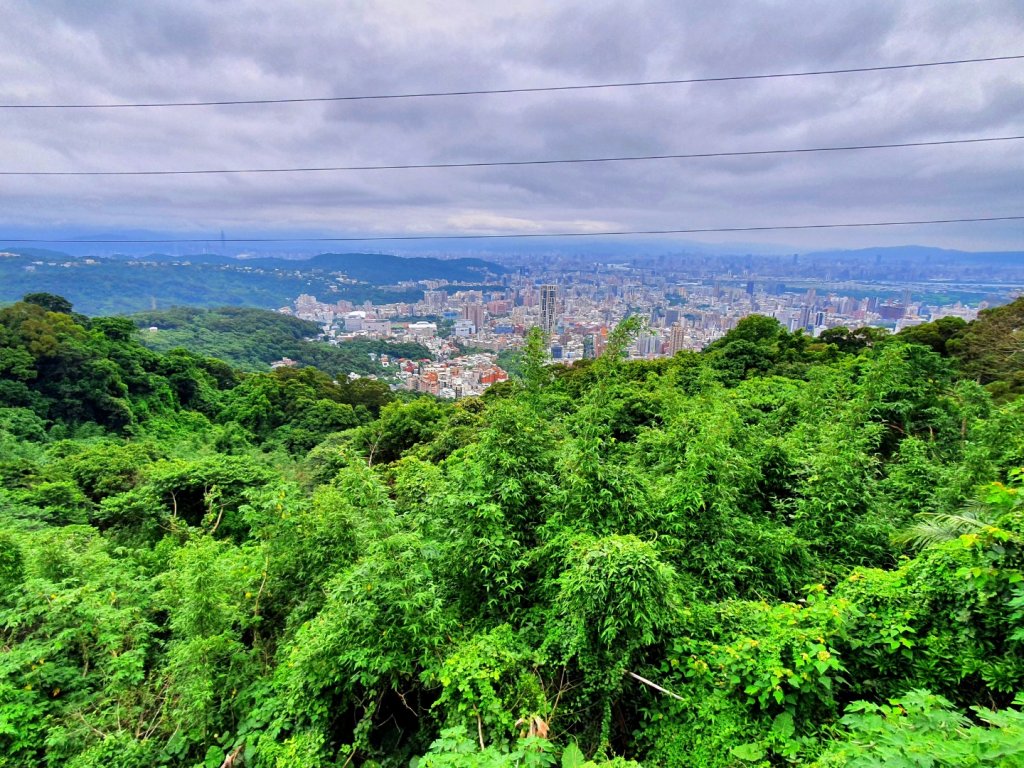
(107, 52)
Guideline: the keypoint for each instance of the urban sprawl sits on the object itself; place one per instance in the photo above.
(465, 330)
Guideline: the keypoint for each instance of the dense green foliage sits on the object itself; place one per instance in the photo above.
(114, 285)
(251, 339)
(778, 551)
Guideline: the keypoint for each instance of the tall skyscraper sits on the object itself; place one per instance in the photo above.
(548, 295)
(677, 341)
(906, 302)
(648, 344)
(474, 313)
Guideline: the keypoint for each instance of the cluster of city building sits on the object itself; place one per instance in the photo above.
(449, 372)
(453, 377)
(577, 310)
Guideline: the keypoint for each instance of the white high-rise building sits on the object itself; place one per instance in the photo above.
(548, 296)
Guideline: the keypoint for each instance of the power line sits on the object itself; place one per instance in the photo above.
(508, 163)
(689, 231)
(495, 91)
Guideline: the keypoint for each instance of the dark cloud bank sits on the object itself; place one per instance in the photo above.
(189, 50)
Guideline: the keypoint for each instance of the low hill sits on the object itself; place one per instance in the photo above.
(251, 339)
(121, 285)
(382, 269)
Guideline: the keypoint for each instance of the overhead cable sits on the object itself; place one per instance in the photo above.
(617, 233)
(507, 163)
(499, 91)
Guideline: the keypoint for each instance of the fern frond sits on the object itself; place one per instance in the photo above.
(935, 528)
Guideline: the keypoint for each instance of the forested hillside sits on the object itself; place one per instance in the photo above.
(780, 551)
(251, 339)
(111, 284)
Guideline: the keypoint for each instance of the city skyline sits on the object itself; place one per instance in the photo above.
(467, 330)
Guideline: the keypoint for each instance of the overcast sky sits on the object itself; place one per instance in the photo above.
(108, 51)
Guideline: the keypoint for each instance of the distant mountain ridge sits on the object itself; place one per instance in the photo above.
(373, 267)
(115, 285)
(132, 283)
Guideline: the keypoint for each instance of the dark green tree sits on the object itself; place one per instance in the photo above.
(48, 301)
